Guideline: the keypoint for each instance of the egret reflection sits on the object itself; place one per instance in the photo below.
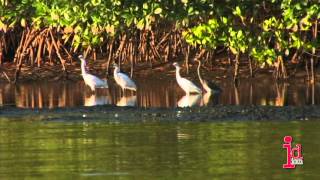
(210, 99)
(127, 101)
(190, 100)
(95, 100)
(153, 94)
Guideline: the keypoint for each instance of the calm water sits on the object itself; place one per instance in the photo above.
(156, 93)
(154, 150)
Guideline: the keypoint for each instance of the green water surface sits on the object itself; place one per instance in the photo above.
(154, 150)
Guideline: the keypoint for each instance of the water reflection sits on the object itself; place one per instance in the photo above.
(95, 99)
(127, 101)
(154, 94)
(189, 100)
(281, 90)
(210, 99)
(153, 150)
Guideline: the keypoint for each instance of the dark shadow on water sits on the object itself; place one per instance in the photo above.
(156, 93)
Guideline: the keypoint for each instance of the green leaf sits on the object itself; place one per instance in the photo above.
(190, 10)
(96, 2)
(233, 50)
(23, 22)
(224, 20)
(140, 24)
(158, 10)
(237, 11)
(184, 1)
(145, 6)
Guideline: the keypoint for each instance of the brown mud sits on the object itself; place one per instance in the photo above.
(194, 114)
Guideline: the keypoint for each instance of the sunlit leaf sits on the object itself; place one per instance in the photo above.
(95, 2)
(140, 24)
(158, 11)
(184, 1)
(23, 22)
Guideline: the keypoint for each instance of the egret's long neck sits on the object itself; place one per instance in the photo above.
(83, 67)
(116, 70)
(178, 76)
(199, 72)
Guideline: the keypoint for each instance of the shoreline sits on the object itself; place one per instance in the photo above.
(52, 73)
(192, 114)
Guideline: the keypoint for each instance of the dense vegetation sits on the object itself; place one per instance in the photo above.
(267, 32)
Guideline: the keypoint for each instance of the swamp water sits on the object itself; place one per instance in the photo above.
(154, 150)
(155, 93)
(104, 149)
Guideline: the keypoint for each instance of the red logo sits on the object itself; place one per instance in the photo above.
(294, 154)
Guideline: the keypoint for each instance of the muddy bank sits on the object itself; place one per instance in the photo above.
(219, 70)
(52, 73)
(197, 114)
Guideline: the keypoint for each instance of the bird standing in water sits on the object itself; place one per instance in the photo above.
(184, 83)
(208, 86)
(123, 80)
(90, 80)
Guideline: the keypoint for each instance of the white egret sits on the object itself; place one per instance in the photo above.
(208, 86)
(90, 80)
(184, 83)
(123, 80)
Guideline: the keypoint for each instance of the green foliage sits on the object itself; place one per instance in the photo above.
(263, 29)
(207, 35)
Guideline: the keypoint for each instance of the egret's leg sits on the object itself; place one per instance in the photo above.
(121, 92)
